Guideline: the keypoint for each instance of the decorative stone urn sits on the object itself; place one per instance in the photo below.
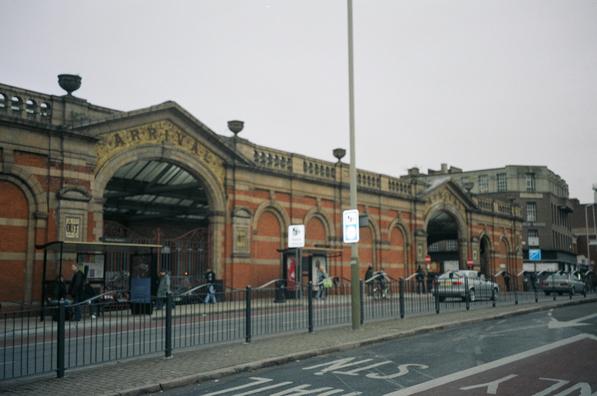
(69, 82)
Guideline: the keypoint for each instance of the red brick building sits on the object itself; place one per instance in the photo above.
(71, 170)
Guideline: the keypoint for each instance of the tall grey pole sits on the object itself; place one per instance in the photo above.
(587, 235)
(354, 249)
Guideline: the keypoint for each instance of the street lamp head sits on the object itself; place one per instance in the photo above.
(339, 153)
(235, 126)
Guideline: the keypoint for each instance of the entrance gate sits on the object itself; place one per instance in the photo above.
(185, 257)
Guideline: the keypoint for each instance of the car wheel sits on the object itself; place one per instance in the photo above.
(559, 293)
(547, 293)
(442, 299)
(471, 294)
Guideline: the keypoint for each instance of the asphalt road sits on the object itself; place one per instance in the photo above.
(544, 353)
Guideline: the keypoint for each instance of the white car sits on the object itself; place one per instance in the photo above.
(453, 284)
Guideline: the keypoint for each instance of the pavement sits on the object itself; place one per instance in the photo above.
(185, 367)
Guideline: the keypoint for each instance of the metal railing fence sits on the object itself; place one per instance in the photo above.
(66, 336)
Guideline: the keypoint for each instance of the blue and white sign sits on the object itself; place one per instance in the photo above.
(350, 225)
(535, 254)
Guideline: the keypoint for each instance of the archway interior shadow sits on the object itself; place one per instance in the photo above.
(156, 201)
(442, 241)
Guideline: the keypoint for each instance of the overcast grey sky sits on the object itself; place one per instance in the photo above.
(473, 83)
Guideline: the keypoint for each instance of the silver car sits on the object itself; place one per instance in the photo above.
(562, 283)
(453, 284)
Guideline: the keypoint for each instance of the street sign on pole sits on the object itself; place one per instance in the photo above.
(427, 259)
(350, 225)
(535, 254)
(296, 236)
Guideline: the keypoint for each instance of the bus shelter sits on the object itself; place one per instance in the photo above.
(298, 267)
(129, 270)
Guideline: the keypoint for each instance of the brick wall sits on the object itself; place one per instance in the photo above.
(14, 213)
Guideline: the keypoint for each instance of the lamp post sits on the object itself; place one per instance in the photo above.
(339, 153)
(354, 252)
(235, 126)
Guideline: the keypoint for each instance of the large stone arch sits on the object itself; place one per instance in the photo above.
(486, 251)
(36, 219)
(397, 226)
(213, 188)
(461, 223)
(324, 218)
(277, 210)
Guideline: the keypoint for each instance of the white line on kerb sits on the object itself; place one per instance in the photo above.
(487, 366)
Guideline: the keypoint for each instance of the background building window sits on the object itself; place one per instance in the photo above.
(533, 237)
(531, 211)
(530, 179)
(483, 183)
(502, 183)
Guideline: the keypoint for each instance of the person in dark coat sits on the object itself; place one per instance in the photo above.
(76, 290)
(210, 278)
(369, 281)
(420, 277)
(506, 276)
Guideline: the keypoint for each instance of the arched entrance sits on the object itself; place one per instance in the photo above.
(485, 256)
(443, 241)
(159, 201)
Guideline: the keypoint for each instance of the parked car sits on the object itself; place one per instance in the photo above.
(562, 283)
(453, 285)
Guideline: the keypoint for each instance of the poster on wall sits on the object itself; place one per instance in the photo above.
(140, 278)
(290, 272)
(94, 263)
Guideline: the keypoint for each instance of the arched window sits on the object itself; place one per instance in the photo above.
(45, 110)
(16, 103)
(30, 107)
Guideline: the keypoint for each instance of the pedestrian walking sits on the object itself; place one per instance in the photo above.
(420, 278)
(163, 289)
(369, 280)
(321, 282)
(506, 276)
(76, 289)
(381, 278)
(210, 278)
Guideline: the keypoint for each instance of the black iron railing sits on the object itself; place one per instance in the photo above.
(110, 330)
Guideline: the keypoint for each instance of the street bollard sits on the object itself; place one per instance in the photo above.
(436, 288)
(60, 341)
(310, 306)
(362, 302)
(467, 295)
(401, 296)
(248, 314)
(168, 323)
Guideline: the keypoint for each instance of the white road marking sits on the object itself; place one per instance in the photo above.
(492, 386)
(556, 324)
(258, 381)
(487, 366)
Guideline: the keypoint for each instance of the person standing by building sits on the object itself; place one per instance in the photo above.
(369, 280)
(321, 277)
(163, 289)
(506, 276)
(420, 277)
(76, 289)
(210, 279)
